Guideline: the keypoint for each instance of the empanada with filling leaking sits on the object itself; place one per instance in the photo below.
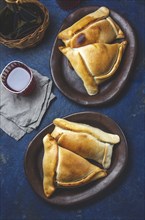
(63, 168)
(96, 27)
(85, 140)
(95, 63)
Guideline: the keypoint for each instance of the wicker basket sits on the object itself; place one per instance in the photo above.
(31, 39)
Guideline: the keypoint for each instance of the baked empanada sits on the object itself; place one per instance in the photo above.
(96, 27)
(49, 164)
(63, 168)
(95, 63)
(63, 124)
(85, 145)
(85, 140)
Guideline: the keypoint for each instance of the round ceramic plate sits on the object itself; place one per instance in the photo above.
(71, 85)
(63, 196)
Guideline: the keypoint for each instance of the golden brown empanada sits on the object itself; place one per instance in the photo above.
(66, 169)
(85, 145)
(63, 124)
(93, 28)
(49, 164)
(73, 170)
(95, 63)
(86, 141)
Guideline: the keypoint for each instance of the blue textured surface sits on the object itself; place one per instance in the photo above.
(126, 200)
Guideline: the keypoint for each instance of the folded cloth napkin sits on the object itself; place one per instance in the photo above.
(22, 114)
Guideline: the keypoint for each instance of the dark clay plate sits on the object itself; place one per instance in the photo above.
(71, 85)
(34, 155)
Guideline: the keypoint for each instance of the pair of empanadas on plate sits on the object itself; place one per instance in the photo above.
(96, 27)
(65, 150)
(90, 49)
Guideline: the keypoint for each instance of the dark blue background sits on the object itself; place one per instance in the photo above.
(125, 200)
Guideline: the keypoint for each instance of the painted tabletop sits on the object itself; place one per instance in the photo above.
(125, 199)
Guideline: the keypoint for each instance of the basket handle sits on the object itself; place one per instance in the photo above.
(20, 1)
